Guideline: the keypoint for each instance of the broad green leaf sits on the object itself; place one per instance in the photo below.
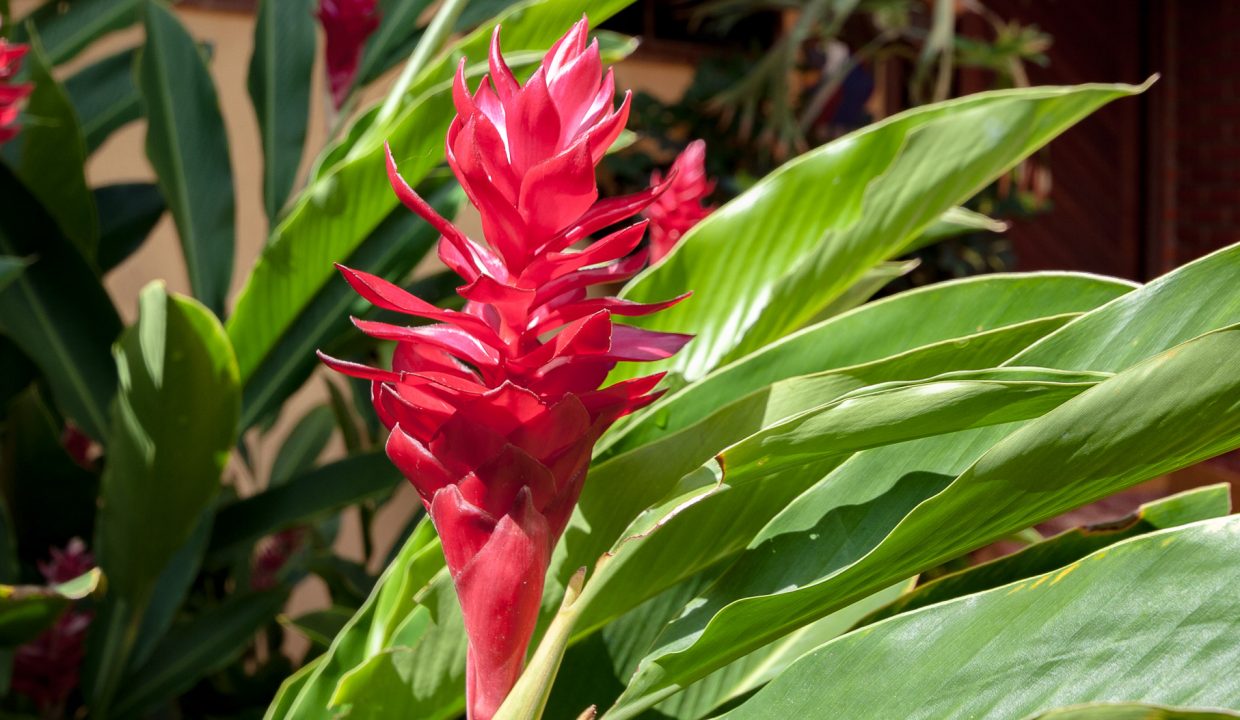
(281, 72)
(67, 28)
(870, 282)
(1132, 711)
(730, 498)
(1194, 299)
(1064, 549)
(57, 312)
(1131, 622)
(304, 444)
(28, 610)
(53, 156)
(208, 642)
(187, 145)
(303, 498)
(619, 488)
(367, 634)
(764, 263)
(175, 417)
(106, 99)
(876, 330)
(1144, 422)
(128, 213)
(391, 251)
(350, 196)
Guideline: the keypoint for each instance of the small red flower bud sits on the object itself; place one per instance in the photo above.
(11, 94)
(679, 208)
(493, 410)
(346, 26)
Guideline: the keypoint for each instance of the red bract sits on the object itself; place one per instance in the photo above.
(11, 94)
(494, 410)
(46, 670)
(680, 207)
(346, 25)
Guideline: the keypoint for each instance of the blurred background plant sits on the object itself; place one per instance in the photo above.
(791, 76)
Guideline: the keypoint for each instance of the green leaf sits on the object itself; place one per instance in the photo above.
(1063, 549)
(1127, 623)
(763, 264)
(10, 268)
(304, 444)
(350, 196)
(874, 279)
(1139, 424)
(314, 493)
(717, 509)
(955, 222)
(1189, 301)
(393, 40)
(321, 626)
(128, 213)
(175, 417)
(876, 330)
(53, 156)
(171, 589)
(57, 311)
(368, 634)
(391, 251)
(67, 28)
(1131, 711)
(27, 610)
(106, 99)
(281, 70)
(187, 145)
(197, 648)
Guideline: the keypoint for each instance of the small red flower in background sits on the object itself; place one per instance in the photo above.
(494, 410)
(678, 209)
(273, 554)
(346, 25)
(11, 95)
(46, 670)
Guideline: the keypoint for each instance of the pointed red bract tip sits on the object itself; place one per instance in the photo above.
(679, 207)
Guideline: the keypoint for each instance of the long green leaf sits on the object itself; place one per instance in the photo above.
(350, 196)
(766, 262)
(305, 442)
(888, 327)
(68, 28)
(302, 498)
(106, 98)
(281, 70)
(187, 145)
(57, 311)
(26, 611)
(208, 642)
(1064, 549)
(173, 426)
(1132, 711)
(1139, 424)
(1152, 619)
(128, 213)
(53, 156)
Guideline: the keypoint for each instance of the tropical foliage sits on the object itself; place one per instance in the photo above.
(756, 543)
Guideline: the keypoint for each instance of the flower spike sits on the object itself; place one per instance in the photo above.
(493, 411)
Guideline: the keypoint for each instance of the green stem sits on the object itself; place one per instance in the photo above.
(428, 45)
(528, 698)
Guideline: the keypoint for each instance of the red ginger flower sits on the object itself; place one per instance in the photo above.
(494, 410)
(46, 670)
(678, 209)
(346, 25)
(11, 95)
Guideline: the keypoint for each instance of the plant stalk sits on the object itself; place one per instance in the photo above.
(429, 44)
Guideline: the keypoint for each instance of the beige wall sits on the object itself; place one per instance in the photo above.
(123, 159)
